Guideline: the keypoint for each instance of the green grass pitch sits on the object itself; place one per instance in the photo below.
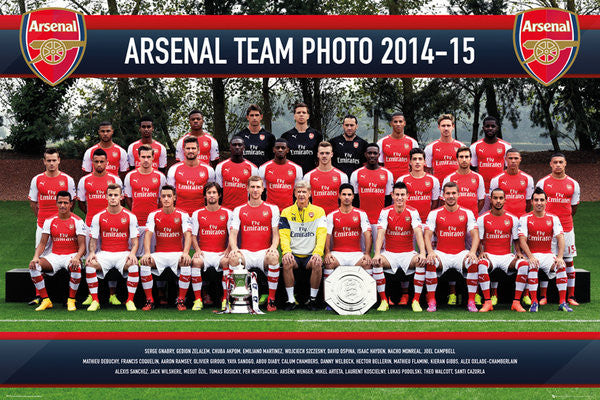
(16, 248)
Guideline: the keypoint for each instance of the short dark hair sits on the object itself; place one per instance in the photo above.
(299, 105)
(397, 114)
(99, 152)
(211, 185)
(449, 184)
(51, 150)
(146, 118)
(350, 116)
(63, 193)
(400, 185)
(105, 123)
(113, 186)
(463, 148)
(190, 139)
(497, 190)
(512, 150)
(282, 140)
(558, 154)
(415, 150)
(491, 118)
(539, 190)
(234, 137)
(372, 145)
(195, 111)
(169, 187)
(145, 147)
(346, 186)
(253, 107)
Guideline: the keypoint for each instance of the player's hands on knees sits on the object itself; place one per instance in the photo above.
(185, 259)
(272, 252)
(329, 259)
(145, 260)
(421, 260)
(132, 259)
(432, 258)
(534, 262)
(376, 260)
(199, 254)
(366, 260)
(484, 256)
(33, 263)
(287, 258)
(74, 264)
(472, 257)
(316, 260)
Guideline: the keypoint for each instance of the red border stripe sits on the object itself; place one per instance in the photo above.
(300, 336)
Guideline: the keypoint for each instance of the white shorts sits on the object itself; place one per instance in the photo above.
(502, 262)
(213, 260)
(400, 260)
(451, 261)
(38, 239)
(164, 260)
(109, 260)
(347, 258)
(546, 261)
(570, 249)
(254, 259)
(58, 261)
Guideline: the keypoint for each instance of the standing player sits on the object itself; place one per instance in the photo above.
(116, 228)
(232, 175)
(67, 233)
(471, 188)
(257, 224)
(349, 148)
(451, 224)
(142, 189)
(302, 233)
(210, 231)
(516, 184)
(325, 180)
(537, 231)
(160, 152)
(397, 226)
(440, 156)
(208, 148)
(280, 175)
(303, 140)
(498, 229)
(116, 157)
(373, 185)
(91, 192)
(345, 228)
(173, 236)
(488, 154)
(563, 197)
(395, 148)
(189, 177)
(258, 142)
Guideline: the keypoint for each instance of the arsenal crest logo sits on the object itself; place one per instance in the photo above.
(61, 183)
(262, 137)
(461, 218)
(311, 136)
(427, 183)
(201, 174)
(115, 154)
(71, 226)
(52, 42)
(355, 219)
(123, 220)
(334, 178)
(154, 180)
(290, 172)
(222, 217)
(506, 222)
(548, 222)
(355, 144)
(265, 213)
(176, 220)
(245, 172)
(499, 150)
(546, 42)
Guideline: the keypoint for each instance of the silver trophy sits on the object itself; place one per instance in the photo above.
(240, 295)
(350, 290)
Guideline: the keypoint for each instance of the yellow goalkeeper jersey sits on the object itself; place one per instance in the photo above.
(303, 233)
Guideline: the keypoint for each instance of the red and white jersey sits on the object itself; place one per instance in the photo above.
(91, 189)
(279, 179)
(399, 228)
(43, 191)
(562, 194)
(394, 154)
(189, 183)
(498, 232)
(372, 185)
(116, 159)
(233, 178)
(346, 229)
(421, 192)
(540, 231)
(489, 159)
(144, 190)
(325, 186)
(63, 233)
(212, 228)
(451, 228)
(208, 148)
(255, 225)
(168, 229)
(160, 154)
(471, 189)
(114, 230)
(441, 157)
(517, 188)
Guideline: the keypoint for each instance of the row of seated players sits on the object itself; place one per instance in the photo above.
(372, 182)
(213, 232)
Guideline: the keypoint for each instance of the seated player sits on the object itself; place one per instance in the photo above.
(345, 227)
(172, 233)
(537, 229)
(302, 233)
(116, 228)
(397, 226)
(451, 223)
(67, 234)
(210, 231)
(497, 230)
(257, 223)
